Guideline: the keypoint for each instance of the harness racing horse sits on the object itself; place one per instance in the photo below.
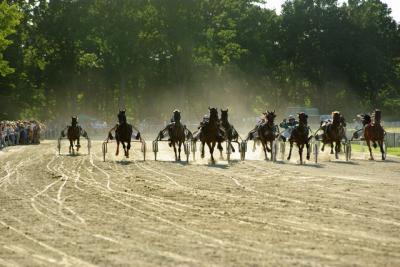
(177, 132)
(265, 132)
(231, 135)
(374, 132)
(210, 132)
(334, 132)
(300, 136)
(123, 133)
(73, 133)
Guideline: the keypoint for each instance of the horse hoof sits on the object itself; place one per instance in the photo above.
(288, 158)
(308, 157)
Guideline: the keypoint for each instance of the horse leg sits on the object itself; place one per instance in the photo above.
(202, 149)
(264, 144)
(220, 150)
(232, 148)
(128, 146)
(370, 150)
(308, 151)
(331, 147)
(212, 151)
(71, 146)
(337, 149)
(300, 147)
(380, 142)
(173, 145)
(78, 145)
(323, 147)
(117, 152)
(290, 151)
(123, 146)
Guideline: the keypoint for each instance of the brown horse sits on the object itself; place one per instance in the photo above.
(300, 136)
(374, 132)
(334, 132)
(177, 132)
(74, 132)
(210, 132)
(123, 133)
(265, 132)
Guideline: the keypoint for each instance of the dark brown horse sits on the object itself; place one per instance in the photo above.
(177, 132)
(123, 133)
(231, 135)
(334, 132)
(374, 132)
(74, 132)
(300, 136)
(265, 132)
(210, 132)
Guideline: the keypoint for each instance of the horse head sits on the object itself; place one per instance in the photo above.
(270, 116)
(365, 118)
(122, 116)
(224, 115)
(177, 115)
(336, 117)
(303, 118)
(213, 114)
(74, 121)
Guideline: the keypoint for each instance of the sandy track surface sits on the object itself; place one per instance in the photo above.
(80, 211)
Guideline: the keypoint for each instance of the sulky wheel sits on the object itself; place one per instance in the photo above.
(143, 149)
(315, 151)
(282, 148)
(59, 146)
(385, 148)
(155, 149)
(347, 149)
(243, 150)
(104, 150)
(89, 145)
(228, 151)
(274, 150)
(193, 147)
(186, 147)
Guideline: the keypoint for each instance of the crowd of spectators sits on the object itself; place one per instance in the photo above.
(20, 132)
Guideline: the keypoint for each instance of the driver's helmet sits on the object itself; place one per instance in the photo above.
(291, 118)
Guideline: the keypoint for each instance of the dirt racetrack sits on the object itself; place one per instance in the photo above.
(80, 211)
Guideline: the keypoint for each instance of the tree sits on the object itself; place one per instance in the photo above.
(9, 20)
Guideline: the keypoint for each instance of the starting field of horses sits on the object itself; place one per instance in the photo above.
(77, 210)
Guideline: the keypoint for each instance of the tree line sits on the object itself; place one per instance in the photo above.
(60, 58)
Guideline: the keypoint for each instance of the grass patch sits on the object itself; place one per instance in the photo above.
(394, 151)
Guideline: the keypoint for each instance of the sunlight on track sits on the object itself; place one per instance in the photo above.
(173, 213)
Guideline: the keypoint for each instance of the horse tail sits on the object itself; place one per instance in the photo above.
(375, 145)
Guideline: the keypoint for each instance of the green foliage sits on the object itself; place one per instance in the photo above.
(95, 56)
(9, 19)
